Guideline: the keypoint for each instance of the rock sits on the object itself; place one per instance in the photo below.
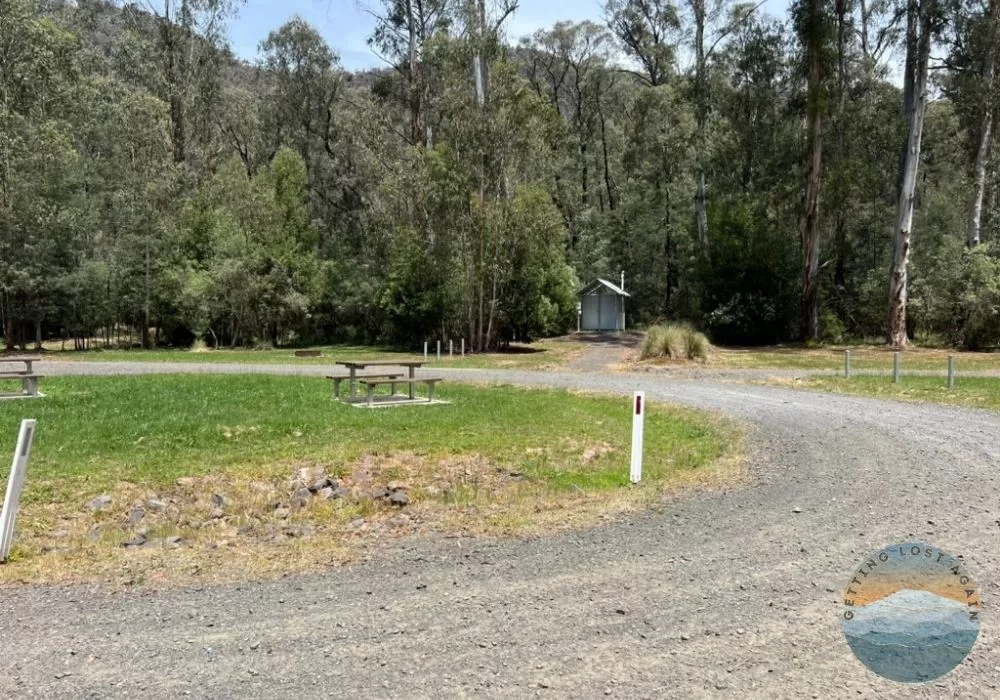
(293, 532)
(137, 541)
(399, 498)
(300, 498)
(397, 486)
(309, 475)
(136, 515)
(220, 501)
(325, 493)
(186, 481)
(322, 483)
(155, 505)
(217, 513)
(174, 541)
(282, 512)
(377, 493)
(244, 530)
(341, 492)
(96, 533)
(796, 510)
(100, 503)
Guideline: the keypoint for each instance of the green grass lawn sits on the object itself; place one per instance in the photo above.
(94, 432)
(540, 354)
(862, 358)
(968, 391)
(497, 460)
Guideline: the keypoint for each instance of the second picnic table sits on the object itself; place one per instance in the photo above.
(354, 366)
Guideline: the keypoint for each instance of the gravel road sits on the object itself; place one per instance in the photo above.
(716, 593)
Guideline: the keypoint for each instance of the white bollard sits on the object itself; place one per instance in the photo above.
(22, 453)
(847, 364)
(439, 350)
(451, 349)
(638, 416)
(425, 351)
(463, 347)
(895, 368)
(951, 371)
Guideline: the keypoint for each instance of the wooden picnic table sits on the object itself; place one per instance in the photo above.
(354, 365)
(29, 380)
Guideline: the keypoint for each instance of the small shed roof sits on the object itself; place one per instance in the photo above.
(598, 283)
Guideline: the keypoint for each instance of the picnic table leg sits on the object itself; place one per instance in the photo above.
(371, 394)
(392, 389)
(413, 374)
(336, 390)
(29, 386)
(430, 392)
(354, 383)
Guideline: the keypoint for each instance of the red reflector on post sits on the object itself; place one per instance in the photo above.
(638, 405)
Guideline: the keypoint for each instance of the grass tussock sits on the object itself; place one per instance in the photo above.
(674, 342)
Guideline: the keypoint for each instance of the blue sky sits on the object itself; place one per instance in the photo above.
(346, 26)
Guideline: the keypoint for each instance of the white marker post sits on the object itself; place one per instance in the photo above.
(425, 351)
(638, 416)
(22, 453)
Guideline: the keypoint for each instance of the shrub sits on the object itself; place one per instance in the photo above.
(674, 341)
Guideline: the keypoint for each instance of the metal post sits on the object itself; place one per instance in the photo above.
(895, 367)
(425, 351)
(463, 347)
(22, 453)
(439, 349)
(638, 416)
(951, 371)
(451, 349)
(847, 364)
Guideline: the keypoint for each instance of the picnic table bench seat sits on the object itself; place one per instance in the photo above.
(371, 383)
(338, 378)
(29, 382)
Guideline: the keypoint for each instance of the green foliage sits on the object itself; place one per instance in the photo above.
(154, 189)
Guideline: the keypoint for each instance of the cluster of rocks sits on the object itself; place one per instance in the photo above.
(308, 484)
(314, 482)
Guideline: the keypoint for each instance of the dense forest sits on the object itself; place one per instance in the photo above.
(823, 176)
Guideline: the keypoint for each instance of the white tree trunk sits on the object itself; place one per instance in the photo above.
(898, 277)
(986, 133)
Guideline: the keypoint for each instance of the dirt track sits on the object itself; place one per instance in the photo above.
(714, 594)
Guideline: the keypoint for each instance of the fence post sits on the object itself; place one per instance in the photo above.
(451, 347)
(847, 364)
(425, 351)
(638, 417)
(439, 349)
(951, 371)
(895, 367)
(22, 453)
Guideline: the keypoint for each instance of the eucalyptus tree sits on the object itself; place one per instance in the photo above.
(812, 20)
(924, 21)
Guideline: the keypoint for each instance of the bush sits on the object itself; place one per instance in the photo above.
(675, 342)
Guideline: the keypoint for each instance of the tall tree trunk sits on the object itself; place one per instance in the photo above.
(701, 114)
(915, 91)
(809, 224)
(986, 133)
